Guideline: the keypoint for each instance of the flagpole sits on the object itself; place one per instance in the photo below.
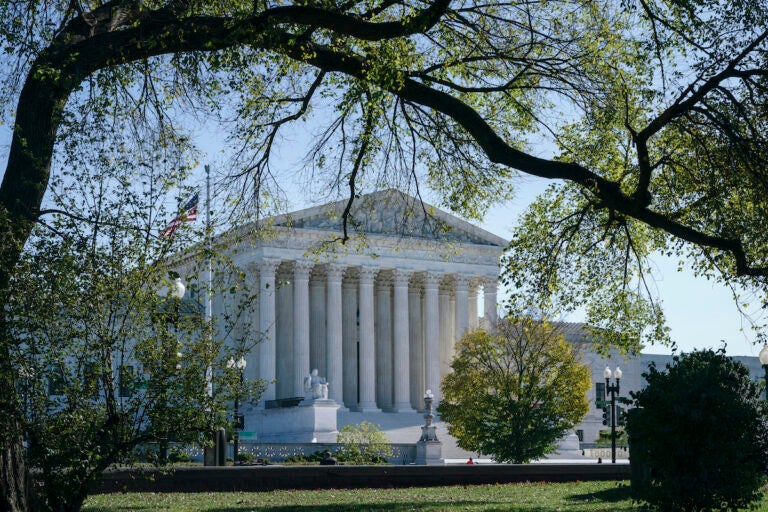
(209, 274)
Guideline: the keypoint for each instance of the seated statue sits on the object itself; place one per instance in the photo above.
(316, 387)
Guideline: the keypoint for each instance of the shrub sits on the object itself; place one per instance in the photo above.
(178, 454)
(363, 444)
(698, 435)
(246, 458)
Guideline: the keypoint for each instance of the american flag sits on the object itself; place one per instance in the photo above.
(188, 214)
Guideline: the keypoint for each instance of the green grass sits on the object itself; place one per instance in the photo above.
(578, 496)
(592, 496)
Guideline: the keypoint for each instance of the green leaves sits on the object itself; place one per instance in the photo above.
(514, 392)
(699, 433)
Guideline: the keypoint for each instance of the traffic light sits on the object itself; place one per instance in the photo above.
(621, 416)
(606, 416)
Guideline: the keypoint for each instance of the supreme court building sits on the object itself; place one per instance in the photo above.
(377, 317)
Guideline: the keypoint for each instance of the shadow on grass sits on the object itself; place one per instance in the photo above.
(613, 495)
(388, 507)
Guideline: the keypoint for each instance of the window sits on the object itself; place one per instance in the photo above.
(580, 435)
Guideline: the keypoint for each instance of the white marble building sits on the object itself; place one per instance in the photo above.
(377, 317)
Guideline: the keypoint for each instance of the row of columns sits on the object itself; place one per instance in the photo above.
(383, 342)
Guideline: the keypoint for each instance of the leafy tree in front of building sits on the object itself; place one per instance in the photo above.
(699, 435)
(110, 369)
(515, 391)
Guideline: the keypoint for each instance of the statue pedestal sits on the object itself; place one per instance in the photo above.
(313, 421)
(429, 450)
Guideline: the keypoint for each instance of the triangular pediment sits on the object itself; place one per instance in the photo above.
(390, 213)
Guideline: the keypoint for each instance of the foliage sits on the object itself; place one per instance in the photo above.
(604, 438)
(107, 364)
(700, 429)
(246, 457)
(515, 391)
(177, 454)
(312, 458)
(656, 109)
(364, 443)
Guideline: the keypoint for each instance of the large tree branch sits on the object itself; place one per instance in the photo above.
(608, 193)
(101, 39)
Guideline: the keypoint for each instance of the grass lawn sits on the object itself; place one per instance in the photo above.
(580, 496)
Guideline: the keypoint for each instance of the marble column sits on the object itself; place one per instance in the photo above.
(267, 351)
(400, 344)
(284, 334)
(384, 341)
(462, 307)
(416, 345)
(473, 321)
(317, 319)
(333, 354)
(446, 330)
(489, 298)
(349, 328)
(252, 356)
(367, 358)
(432, 334)
(301, 367)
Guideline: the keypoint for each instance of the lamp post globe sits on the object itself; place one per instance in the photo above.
(178, 289)
(763, 357)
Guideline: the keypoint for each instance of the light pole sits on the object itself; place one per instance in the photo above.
(763, 357)
(613, 390)
(175, 292)
(238, 365)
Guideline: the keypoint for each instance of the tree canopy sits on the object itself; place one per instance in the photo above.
(654, 110)
(111, 365)
(515, 392)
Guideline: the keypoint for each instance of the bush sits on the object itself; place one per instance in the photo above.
(698, 436)
(246, 458)
(177, 454)
(363, 444)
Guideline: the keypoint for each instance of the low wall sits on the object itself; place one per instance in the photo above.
(267, 478)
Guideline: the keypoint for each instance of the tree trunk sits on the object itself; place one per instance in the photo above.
(14, 477)
(21, 192)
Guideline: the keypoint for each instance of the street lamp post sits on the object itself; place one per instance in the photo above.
(428, 433)
(763, 356)
(613, 390)
(238, 365)
(175, 292)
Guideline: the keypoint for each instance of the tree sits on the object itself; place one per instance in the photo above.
(515, 391)
(661, 147)
(110, 365)
(700, 431)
